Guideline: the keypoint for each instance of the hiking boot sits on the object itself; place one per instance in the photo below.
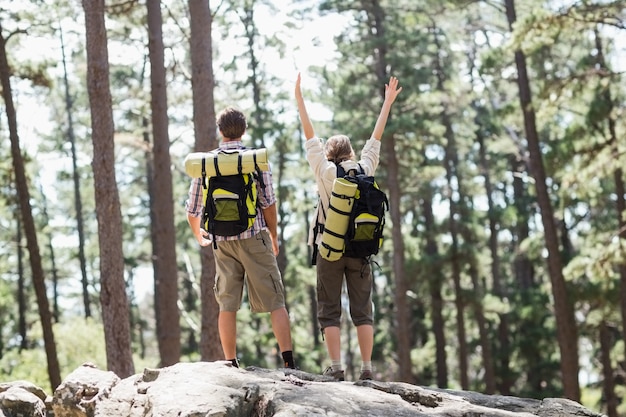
(336, 375)
(365, 376)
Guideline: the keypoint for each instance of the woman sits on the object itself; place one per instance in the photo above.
(324, 159)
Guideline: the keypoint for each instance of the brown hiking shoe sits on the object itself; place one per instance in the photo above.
(365, 376)
(336, 375)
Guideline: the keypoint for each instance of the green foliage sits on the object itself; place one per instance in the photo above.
(78, 341)
(26, 366)
(456, 63)
(76, 348)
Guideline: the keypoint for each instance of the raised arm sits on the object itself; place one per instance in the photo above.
(391, 92)
(307, 126)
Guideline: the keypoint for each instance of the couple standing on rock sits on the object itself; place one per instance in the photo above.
(251, 255)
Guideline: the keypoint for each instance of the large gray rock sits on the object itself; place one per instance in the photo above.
(216, 389)
(21, 398)
(82, 390)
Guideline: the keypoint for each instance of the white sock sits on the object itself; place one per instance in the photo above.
(366, 366)
(336, 365)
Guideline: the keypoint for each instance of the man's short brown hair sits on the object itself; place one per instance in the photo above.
(232, 123)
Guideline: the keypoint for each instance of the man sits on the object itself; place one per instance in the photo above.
(323, 159)
(250, 255)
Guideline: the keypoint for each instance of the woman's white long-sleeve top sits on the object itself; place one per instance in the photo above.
(325, 173)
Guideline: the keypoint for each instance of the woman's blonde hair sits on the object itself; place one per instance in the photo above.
(338, 149)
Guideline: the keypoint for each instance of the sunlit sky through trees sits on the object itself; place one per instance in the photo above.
(311, 44)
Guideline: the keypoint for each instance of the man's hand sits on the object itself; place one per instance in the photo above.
(203, 238)
(275, 246)
(270, 214)
(201, 235)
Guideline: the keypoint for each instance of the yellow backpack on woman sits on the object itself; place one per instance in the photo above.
(356, 217)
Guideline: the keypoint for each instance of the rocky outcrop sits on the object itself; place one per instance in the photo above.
(216, 389)
(21, 398)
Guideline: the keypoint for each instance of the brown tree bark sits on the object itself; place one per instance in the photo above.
(524, 271)
(246, 15)
(472, 269)
(56, 313)
(113, 297)
(435, 280)
(78, 203)
(608, 380)
(164, 261)
(502, 367)
(402, 319)
(620, 190)
(567, 332)
(203, 84)
(22, 296)
(460, 229)
(505, 377)
(455, 264)
(28, 222)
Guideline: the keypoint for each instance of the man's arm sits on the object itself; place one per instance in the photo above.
(271, 220)
(200, 234)
(391, 92)
(193, 207)
(307, 126)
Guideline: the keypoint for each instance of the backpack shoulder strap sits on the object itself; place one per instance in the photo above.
(340, 171)
(353, 172)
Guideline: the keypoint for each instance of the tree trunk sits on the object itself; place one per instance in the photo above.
(55, 277)
(78, 203)
(608, 379)
(567, 333)
(204, 122)
(523, 267)
(483, 330)
(164, 261)
(315, 325)
(21, 290)
(349, 351)
(609, 382)
(454, 252)
(525, 282)
(435, 280)
(113, 297)
(455, 263)
(503, 368)
(620, 189)
(402, 319)
(618, 178)
(26, 214)
(251, 31)
(458, 205)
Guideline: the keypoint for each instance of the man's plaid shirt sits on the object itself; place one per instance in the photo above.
(265, 198)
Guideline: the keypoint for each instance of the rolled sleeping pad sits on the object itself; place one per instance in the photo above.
(226, 162)
(341, 201)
